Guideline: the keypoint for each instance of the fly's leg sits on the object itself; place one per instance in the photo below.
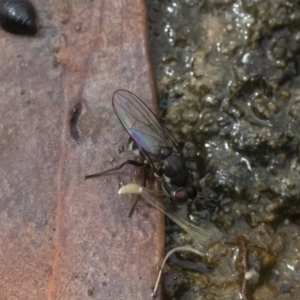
(129, 162)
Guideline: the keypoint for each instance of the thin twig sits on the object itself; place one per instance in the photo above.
(182, 248)
(242, 242)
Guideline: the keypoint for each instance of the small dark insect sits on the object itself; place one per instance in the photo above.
(161, 152)
(18, 17)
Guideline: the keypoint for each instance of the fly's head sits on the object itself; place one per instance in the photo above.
(183, 194)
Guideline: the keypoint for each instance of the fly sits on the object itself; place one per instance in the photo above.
(161, 152)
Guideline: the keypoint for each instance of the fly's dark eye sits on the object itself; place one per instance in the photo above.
(165, 152)
(192, 191)
(181, 196)
(18, 17)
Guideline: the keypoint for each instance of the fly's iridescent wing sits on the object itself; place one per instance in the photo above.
(142, 125)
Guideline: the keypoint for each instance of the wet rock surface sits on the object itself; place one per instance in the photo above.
(228, 82)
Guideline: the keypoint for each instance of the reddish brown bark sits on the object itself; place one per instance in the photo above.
(64, 237)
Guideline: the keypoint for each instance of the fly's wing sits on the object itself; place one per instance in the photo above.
(142, 124)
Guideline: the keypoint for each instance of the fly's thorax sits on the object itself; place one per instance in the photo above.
(173, 165)
(175, 171)
(191, 165)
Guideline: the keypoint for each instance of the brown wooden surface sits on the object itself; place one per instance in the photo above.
(63, 237)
